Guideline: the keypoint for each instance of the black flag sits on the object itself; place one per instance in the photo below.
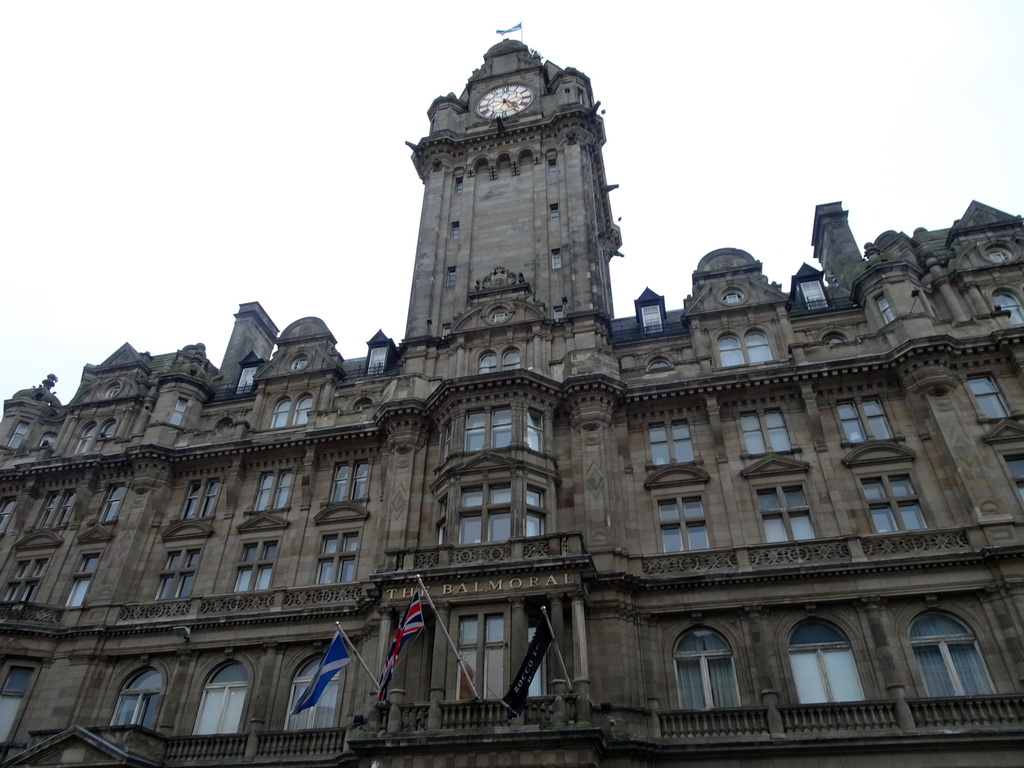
(515, 699)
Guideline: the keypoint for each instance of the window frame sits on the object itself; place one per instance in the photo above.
(113, 499)
(178, 413)
(200, 499)
(712, 696)
(12, 699)
(7, 507)
(784, 512)
(484, 647)
(23, 585)
(256, 566)
(146, 700)
(82, 580)
(884, 308)
(955, 668)
(676, 447)
(86, 439)
(765, 432)
(827, 677)
(18, 435)
(490, 504)
(57, 508)
(895, 506)
(753, 349)
(178, 575)
(682, 523)
(338, 558)
(1015, 310)
(860, 416)
(270, 488)
(989, 402)
(229, 688)
(350, 481)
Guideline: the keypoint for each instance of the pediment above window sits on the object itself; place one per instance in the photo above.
(95, 534)
(878, 453)
(775, 465)
(679, 474)
(39, 540)
(341, 512)
(1006, 431)
(79, 746)
(262, 521)
(187, 529)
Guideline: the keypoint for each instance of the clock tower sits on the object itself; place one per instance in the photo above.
(516, 231)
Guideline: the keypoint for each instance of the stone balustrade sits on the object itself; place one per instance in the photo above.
(561, 545)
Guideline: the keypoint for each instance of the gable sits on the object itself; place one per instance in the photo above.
(878, 453)
(675, 475)
(186, 529)
(262, 521)
(341, 512)
(1006, 431)
(99, 746)
(775, 465)
(39, 540)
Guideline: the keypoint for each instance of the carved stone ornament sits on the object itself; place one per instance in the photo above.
(500, 278)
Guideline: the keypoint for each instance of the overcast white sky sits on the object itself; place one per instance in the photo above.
(161, 162)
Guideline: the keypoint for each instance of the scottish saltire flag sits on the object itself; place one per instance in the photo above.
(334, 661)
(411, 623)
(510, 30)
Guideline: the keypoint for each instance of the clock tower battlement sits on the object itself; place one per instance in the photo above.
(516, 231)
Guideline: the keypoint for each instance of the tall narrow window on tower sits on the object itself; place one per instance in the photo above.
(455, 230)
(553, 208)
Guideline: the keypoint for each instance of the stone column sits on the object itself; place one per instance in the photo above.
(170, 710)
(581, 671)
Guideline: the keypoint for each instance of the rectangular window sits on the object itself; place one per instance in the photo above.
(11, 696)
(349, 481)
(446, 330)
(534, 524)
(6, 513)
(245, 381)
(273, 491)
(476, 426)
(1016, 466)
(813, 295)
(450, 277)
(377, 361)
(111, 503)
(552, 165)
(892, 503)
(485, 522)
(455, 230)
(553, 210)
(854, 415)
(682, 524)
(987, 396)
(651, 316)
(558, 313)
(670, 444)
(785, 514)
(24, 585)
(256, 567)
(556, 258)
(483, 654)
(17, 435)
(501, 428)
(200, 499)
(57, 509)
(179, 574)
(82, 580)
(884, 309)
(458, 184)
(178, 415)
(337, 558)
(534, 431)
(764, 432)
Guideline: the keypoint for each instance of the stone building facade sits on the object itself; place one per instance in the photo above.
(772, 527)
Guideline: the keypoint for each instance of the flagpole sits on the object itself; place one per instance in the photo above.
(558, 651)
(351, 645)
(458, 656)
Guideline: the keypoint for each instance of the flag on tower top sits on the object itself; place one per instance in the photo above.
(517, 28)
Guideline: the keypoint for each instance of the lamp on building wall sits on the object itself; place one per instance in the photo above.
(183, 632)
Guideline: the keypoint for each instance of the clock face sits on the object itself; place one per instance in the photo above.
(504, 101)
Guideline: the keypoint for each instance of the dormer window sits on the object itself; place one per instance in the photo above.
(381, 354)
(650, 311)
(248, 367)
(812, 295)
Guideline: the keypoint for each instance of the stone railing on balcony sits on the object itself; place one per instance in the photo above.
(536, 548)
(336, 596)
(31, 612)
(854, 717)
(811, 552)
(470, 715)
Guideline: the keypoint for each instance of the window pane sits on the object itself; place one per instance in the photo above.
(873, 489)
(671, 540)
(534, 525)
(810, 688)
(723, 682)
(910, 515)
(691, 684)
(774, 529)
(768, 500)
(842, 675)
(470, 530)
(501, 494)
(659, 445)
(499, 527)
(937, 681)
(667, 510)
(697, 535)
(794, 497)
(901, 486)
(882, 518)
(801, 525)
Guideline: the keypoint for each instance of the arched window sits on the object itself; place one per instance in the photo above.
(282, 411)
(730, 352)
(758, 350)
(302, 408)
(223, 698)
(510, 360)
(323, 714)
(822, 664)
(948, 657)
(753, 349)
(834, 339)
(107, 430)
(139, 699)
(1007, 302)
(659, 364)
(488, 362)
(48, 440)
(85, 441)
(704, 671)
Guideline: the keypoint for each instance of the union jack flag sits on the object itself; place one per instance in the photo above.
(411, 623)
